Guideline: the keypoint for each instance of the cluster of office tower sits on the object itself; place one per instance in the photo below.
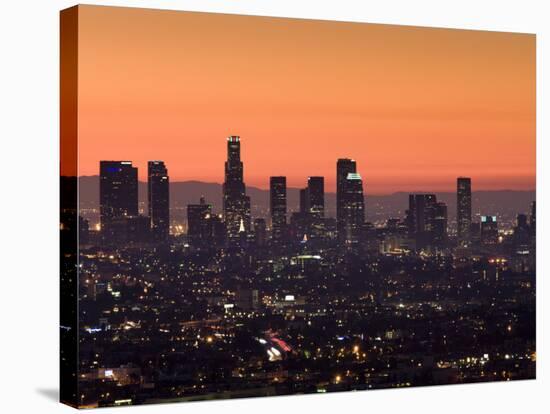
(426, 221)
(119, 205)
(121, 221)
(308, 222)
(424, 226)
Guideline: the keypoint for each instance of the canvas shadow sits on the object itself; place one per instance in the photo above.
(49, 393)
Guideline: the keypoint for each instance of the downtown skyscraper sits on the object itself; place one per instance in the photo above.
(315, 194)
(489, 230)
(344, 166)
(463, 208)
(236, 204)
(315, 207)
(118, 197)
(352, 209)
(199, 226)
(277, 206)
(158, 195)
(439, 223)
(426, 220)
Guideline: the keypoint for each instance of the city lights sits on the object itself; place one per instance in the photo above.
(314, 297)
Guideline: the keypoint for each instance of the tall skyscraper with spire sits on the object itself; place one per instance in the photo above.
(236, 204)
(463, 208)
(158, 197)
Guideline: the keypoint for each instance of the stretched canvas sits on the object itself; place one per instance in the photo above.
(257, 206)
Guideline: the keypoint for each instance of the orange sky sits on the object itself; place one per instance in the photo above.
(416, 107)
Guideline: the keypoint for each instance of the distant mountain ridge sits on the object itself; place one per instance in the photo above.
(506, 203)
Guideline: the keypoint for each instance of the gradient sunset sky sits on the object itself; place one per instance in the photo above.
(416, 107)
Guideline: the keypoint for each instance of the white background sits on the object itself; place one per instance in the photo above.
(29, 130)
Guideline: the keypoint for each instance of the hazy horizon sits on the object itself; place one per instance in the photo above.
(332, 191)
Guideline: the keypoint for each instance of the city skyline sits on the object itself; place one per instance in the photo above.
(118, 200)
(238, 240)
(294, 274)
(482, 100)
